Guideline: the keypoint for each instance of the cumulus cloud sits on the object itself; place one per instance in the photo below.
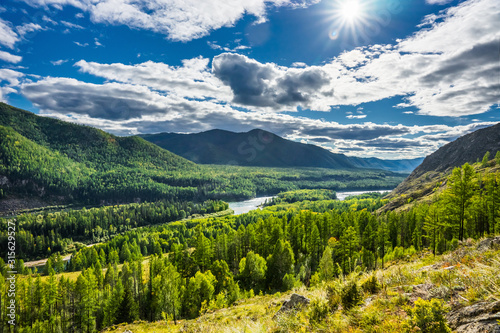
(268, 85)
(111, 101)
(9, 80)
(6, 56)
(7, 35)
(193, 79)
(180, 20)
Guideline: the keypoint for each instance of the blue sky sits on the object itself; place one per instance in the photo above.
(384, 78)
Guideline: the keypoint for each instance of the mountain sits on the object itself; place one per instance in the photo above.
(261, 148)
(45, 161)
(90, 146)
(438, 165)
(62, 162)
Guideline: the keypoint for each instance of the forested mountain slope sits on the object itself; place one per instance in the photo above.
(481, 145)
(261, 148)
(45, 161)
(90, 146)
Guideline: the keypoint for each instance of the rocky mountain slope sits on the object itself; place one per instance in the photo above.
(437, 166)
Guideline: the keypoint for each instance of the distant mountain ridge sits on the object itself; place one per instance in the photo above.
(262, 148)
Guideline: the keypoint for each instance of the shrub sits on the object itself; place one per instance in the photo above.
(427, 316)
(333, 297)
(371, 285)
(351, 295)
(289, 282)
(318, 310)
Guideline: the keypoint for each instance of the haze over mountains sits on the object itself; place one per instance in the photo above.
(261, 148)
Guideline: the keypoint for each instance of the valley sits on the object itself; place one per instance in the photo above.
(141, 238)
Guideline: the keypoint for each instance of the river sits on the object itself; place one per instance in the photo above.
(242, 207)
(342, 195)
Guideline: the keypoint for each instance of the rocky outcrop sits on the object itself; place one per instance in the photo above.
(296, 301)
(488, 243)
(478, 318)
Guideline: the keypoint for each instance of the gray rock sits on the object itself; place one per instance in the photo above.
(488, 243)
(478, 318)
(296, 301)
(422, 291)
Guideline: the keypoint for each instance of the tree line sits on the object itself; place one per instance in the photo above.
(204, 264)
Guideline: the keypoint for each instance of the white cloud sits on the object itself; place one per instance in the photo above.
(361, 116)
(26, 28)
(299, 64)
(180, 20)
(437, 2)
(72, 25)
(193, 79)
(215, 46)
(5, 56)
(7, 36)
(58, 62)
(81, 44)
(9, 80)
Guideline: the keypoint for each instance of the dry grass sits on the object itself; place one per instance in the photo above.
(462, 277)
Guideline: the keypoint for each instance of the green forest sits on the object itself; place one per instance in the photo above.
(73, 164)
(183, 269)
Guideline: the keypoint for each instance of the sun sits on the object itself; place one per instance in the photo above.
(350, 10)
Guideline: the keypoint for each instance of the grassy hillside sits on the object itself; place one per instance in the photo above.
(466, 278)
(422, 189)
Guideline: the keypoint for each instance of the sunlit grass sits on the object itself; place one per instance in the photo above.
(464, 276)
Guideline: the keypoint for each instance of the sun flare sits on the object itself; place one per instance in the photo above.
(350, 9)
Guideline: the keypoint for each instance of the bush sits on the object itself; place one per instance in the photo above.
(333, 297)
(454, 244)
(351, 295)
(427, 316)
(318, 310)
(289, 282)
(371, 285)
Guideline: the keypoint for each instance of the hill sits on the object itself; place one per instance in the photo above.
(261, 148)
(90, 146)
(437, 166)
(386, 308)
(47, 162)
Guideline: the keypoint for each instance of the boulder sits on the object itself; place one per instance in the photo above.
(422, 291)
(488, 243)
(296, 301)
(481, 317)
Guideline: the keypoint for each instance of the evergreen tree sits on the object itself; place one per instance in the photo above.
(458, 196)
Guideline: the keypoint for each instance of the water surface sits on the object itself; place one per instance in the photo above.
(242, 207)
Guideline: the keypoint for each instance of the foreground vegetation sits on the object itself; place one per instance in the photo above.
(386, 300)
(202, 265)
